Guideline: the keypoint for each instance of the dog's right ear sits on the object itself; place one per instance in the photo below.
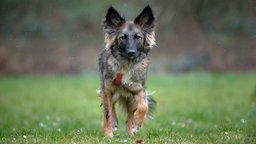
(113, 21)
(146, 20)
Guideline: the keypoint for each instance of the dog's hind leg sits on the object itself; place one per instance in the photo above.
(108, 106)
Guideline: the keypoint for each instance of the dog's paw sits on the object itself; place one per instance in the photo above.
(115, 126)
(135, 130)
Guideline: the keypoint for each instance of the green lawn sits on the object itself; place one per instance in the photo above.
(192, 108)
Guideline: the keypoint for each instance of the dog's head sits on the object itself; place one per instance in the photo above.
(129, 40)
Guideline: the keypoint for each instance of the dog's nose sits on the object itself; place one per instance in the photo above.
(131, 52)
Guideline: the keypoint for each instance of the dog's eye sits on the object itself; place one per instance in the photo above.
(123, 37)
(136, 36)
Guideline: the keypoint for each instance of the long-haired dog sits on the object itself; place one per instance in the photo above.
(123, 65)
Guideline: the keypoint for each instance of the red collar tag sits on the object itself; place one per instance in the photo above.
(118, 79)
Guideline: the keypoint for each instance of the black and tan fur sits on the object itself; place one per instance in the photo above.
(127, 44)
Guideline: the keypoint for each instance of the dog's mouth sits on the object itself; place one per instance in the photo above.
(129, 57)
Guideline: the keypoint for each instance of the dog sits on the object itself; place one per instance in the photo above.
(123, 64)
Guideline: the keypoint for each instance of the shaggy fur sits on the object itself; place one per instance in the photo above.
(127, 44)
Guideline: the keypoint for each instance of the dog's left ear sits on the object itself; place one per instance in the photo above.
(146, 20)
(113, 20)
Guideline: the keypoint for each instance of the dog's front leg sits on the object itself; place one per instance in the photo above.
(141, 111)
(114, 118)
(129, 122)
(108, 107)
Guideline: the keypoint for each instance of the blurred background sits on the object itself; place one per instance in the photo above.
(42, 37)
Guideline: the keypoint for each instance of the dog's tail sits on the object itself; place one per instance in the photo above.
(151, 104)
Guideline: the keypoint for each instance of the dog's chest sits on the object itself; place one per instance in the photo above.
(127, 71)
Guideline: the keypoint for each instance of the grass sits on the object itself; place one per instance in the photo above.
(192, 108)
